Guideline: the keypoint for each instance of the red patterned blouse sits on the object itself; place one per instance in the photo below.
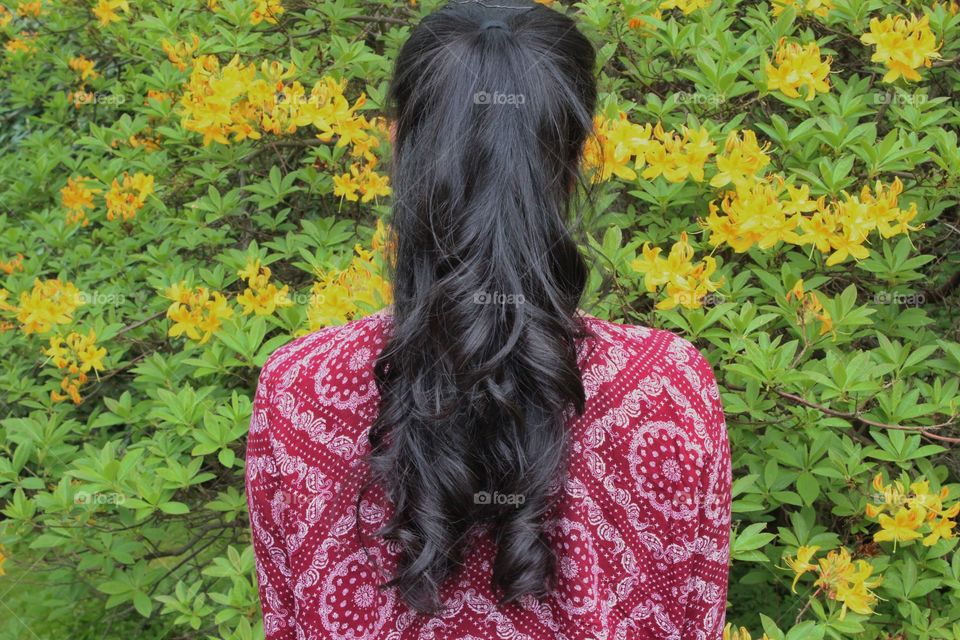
(641, 532)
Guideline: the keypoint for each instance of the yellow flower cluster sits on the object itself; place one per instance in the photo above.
(49, 303)
(14, 264)
(818, 8)
(76, 355)
(342, 295)
(798, 66)
(912, 511)
(180, 53)
(902, 45)
(76, 198)
(266, 11)
(642, 24)
(106, 11)
(952, 7)
(149, 143)
(621, 148)
(5, 18)
(810, 308)
(731, 632)
(769, 211)
(29, 9)
(84, 68)
(361, 183)
(741, 160)
(196, 312)
(26, 43)
(686, 6)
(839, 577)
(686, 283)
(261, 296)
(128, 195)
(760, 212)
(237, 101)
(263, 11)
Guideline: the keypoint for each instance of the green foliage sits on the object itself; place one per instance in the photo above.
(124, 514)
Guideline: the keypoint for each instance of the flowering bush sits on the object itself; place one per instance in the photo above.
(186, 185)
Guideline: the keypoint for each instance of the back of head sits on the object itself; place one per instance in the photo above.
(491, 107)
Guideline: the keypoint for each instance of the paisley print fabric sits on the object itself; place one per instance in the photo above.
(641, 529)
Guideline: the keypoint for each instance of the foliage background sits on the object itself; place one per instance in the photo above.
(124, 514)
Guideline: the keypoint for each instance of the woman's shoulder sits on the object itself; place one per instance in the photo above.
(323, 356)
(635, 366)
(654, 349)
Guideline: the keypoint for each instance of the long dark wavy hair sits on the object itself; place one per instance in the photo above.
(492, 107)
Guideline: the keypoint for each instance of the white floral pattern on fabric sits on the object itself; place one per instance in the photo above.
(641, 532)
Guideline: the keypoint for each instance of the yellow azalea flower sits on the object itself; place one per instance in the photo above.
(685, 283)
(902, 527)
(362, 183)
(796, 292)
(266, 11)
(723, 229)
(818, 8)
(84, 68)
(796, 66)
(24, 44)
(640, 22)
(733, 633)
(29, 9)
(754, 214)
(741, 160)
(239, 101)
(678, 155)
(902, 45)
(106, 11)
(628, 141)
(76, 354)
(180, 53)
(819, 229)
(686, 6)
(847, 244)
(952, 7)
(914, 510)
(346, 186)
(5, 18)
(196, 313)
(261, 297)
(49, 303)
(620, 148)
(798, 198)
(4, 305)
(342, 295)
(854, 592)
(811, 308)
(128, 195)
(847, 582)
(652, 266)
(14, 264)
(801, 564)
(939, 529)
(76, 198)
(373, 184)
